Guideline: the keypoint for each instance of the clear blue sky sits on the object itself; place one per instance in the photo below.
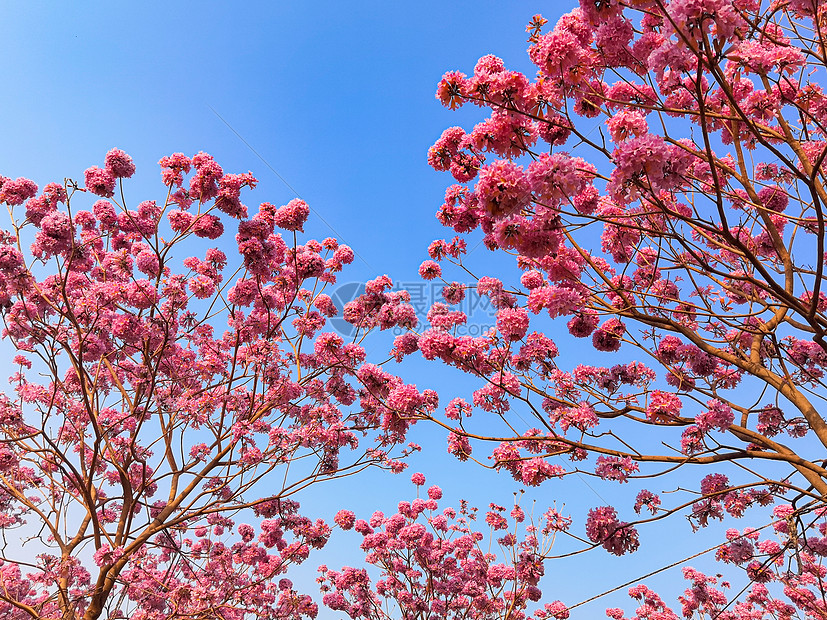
(339, 99)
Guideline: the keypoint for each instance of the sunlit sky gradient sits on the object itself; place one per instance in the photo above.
(338, 99)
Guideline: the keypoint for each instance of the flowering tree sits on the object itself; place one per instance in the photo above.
(436, 565)
(691, 239)
(154, 395)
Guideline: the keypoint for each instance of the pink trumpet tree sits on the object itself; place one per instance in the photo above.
(660, 183)
(435, 564)
(165, 393)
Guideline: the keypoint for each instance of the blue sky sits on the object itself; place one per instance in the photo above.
(338, 98)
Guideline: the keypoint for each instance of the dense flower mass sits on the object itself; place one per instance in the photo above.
(657, 184)
(695, 245)
(229, 369)
(434, 561)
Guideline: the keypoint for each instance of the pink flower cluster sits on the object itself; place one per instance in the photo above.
(292, 216)
(603, 527)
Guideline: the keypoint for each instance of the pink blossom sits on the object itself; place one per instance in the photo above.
(451, 88)
(692, 440)
(660, 165)
(36, 208)
(106, 556)
(719, 416)
(459, 446)
(582, 324)
(207, 226)
(141, 294)
(204, 183)
(648, 499)
(714, 483)
(556, 610)
(442, 153)
(557, 300)
(441, 316)
(555, 129)
(174, 167)
(612, 38)
(99, 181)
(532, 279)
(764, 57)
(457, 409)
(55, 235)
(693, 18)
(602, 526)
(18, 191)
(587, 201)
(345, 519)
(502, 188)
(147, 262)
(180, 221)
(563, 55)
(620, 235)
(663, 406)
(200, 452)
(615, 468)
(403, 345)
(770, 421)
(119, 164)
(783, 512)
(537, 470)
(229, 191)
(502, 134)
(512, 323)
(325, 305)
(539, 349)
(430, 270)
(626, 124)
(453, 293)
(608, 336)
(292, 216)
(558, 177)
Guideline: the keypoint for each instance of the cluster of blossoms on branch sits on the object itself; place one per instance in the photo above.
(766, 562)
